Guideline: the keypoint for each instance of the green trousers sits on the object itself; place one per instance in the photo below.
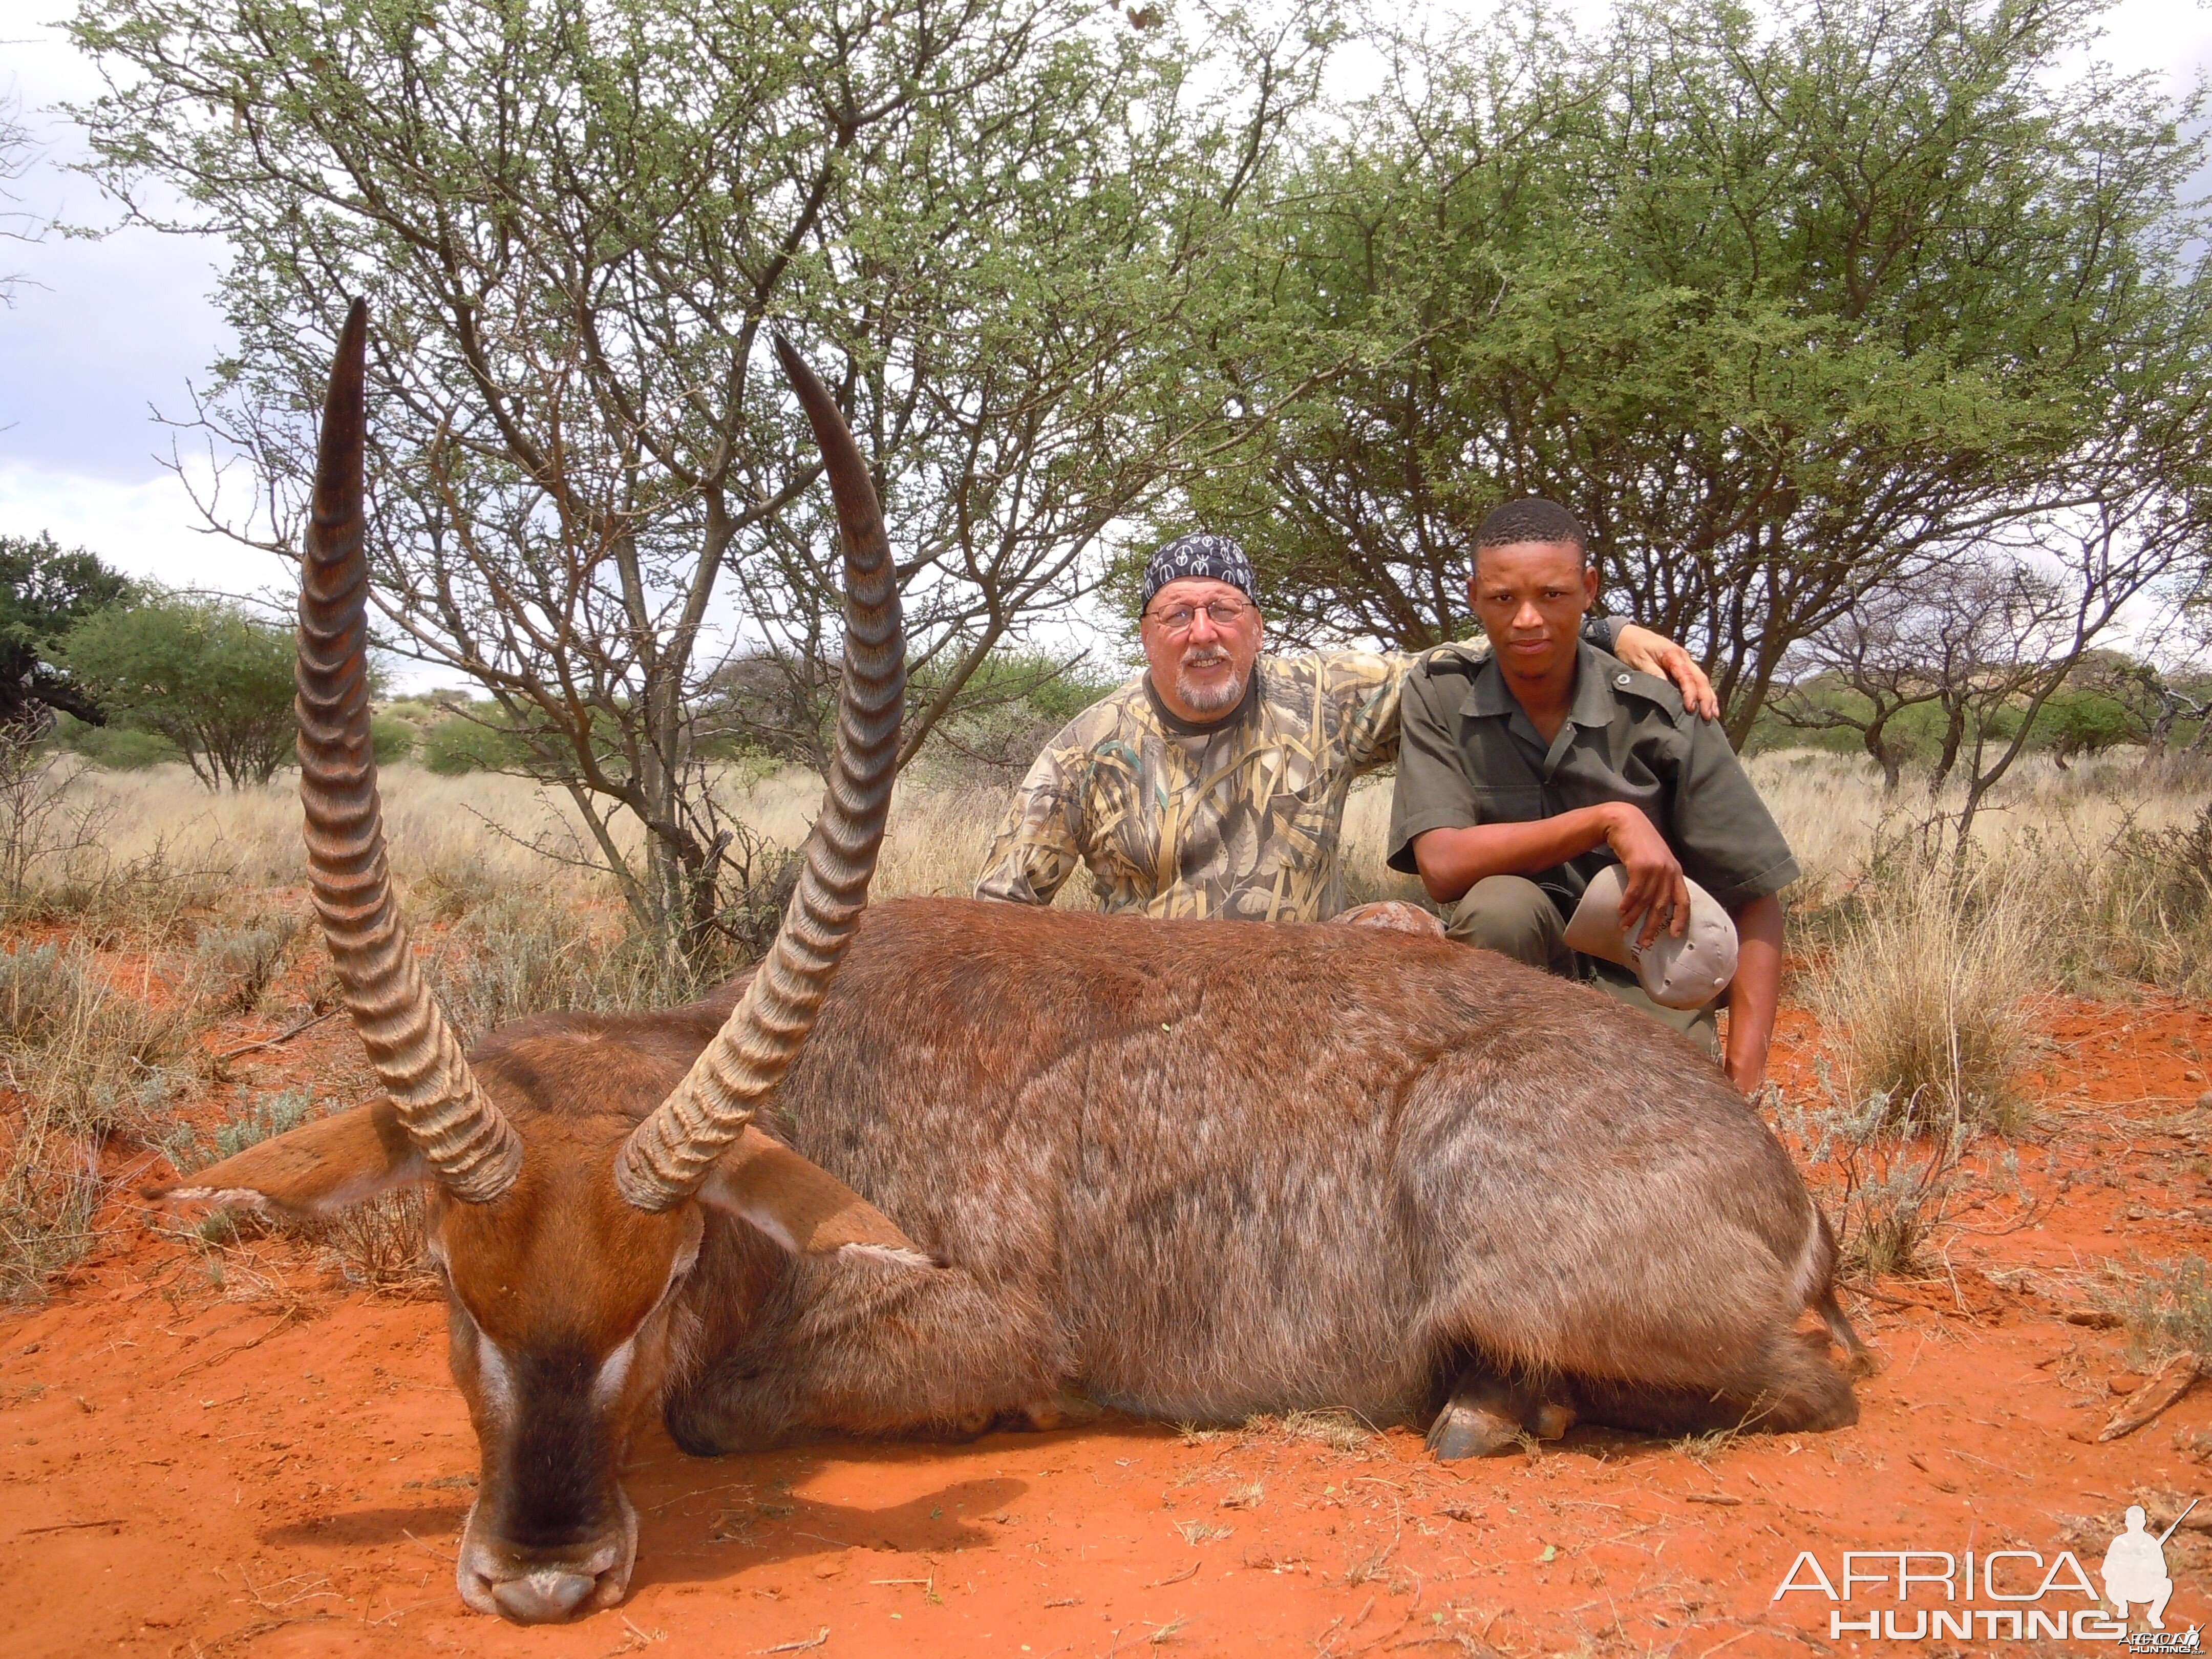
(1513, 916)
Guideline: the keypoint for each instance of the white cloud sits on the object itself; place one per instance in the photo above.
(145, 528)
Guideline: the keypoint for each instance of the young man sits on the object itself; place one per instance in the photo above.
(1213, 784)
(1523, 773)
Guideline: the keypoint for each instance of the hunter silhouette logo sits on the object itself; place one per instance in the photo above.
(2134, 1568)
(2025, 1595)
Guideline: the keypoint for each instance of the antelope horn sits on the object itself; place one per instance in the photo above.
(463, 1137)
(668, 1155)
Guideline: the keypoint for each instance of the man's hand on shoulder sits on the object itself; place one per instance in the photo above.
(1654, 653)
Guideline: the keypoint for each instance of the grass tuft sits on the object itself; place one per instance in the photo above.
(1339, 1431)
(516, 956)
(1921, 993)
(2166, 1310)
(88, 1064)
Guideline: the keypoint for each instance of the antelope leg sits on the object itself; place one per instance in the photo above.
(862, 1347)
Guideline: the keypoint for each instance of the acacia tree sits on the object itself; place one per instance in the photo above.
(2039, 619)
(1791, 307)
(1888, 655)
(573, 219)
(1987, 641)
(45, 592)
(214, 680)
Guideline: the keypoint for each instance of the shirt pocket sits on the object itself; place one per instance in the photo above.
(1509, 803)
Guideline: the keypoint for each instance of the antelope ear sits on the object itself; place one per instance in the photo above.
(800, 1205)
(315, 1170)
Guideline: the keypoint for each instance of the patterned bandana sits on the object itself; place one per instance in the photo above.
(1199, 554)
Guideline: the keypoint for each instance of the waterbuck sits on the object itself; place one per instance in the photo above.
(1189, 1170)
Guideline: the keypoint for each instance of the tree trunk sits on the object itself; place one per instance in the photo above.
(1885, 756)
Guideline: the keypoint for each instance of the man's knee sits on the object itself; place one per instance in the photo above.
(1513, 916)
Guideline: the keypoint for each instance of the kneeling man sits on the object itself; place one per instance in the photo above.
(1522, 773)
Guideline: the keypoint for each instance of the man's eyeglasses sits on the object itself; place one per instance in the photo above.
(1178, 619)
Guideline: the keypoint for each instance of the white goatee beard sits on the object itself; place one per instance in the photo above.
(1208, 699)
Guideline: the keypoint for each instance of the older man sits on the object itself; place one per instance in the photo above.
(1213, 784)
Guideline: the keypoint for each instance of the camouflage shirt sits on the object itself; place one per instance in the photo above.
(1238, 818)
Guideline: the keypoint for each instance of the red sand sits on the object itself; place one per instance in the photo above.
(281, 1468)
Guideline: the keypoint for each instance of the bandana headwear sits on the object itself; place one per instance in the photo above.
(1199, 554)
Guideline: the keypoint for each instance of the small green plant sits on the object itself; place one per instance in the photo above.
(232, 966)
(2166, 1310)
(1893, 1173)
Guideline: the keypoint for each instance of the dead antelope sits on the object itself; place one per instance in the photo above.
(1192, 1170)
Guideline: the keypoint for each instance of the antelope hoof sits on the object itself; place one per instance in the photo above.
(1466, 1430)
(543, 1598)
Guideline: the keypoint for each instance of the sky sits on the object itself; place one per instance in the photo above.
(104, 334)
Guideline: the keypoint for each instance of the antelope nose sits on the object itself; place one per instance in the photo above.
(540, 1598)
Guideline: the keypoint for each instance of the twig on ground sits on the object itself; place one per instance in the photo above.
(281, 1037)
(813, 1641)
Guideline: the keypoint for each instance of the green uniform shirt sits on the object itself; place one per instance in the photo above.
(1468, 755)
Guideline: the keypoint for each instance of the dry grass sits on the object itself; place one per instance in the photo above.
(2166, 1310)
(1921, 992)
(87, 1063)
(515, 955)
(1339, 1431)
(2099, 874)
(1837, 819)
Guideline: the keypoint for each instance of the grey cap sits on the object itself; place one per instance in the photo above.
(1687, 972)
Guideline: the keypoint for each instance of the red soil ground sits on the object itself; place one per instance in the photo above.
(278, 1465)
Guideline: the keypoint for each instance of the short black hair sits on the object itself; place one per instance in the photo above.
(1531, 521)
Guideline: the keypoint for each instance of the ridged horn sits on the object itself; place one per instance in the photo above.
(669, 1154)
(463, 1137)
